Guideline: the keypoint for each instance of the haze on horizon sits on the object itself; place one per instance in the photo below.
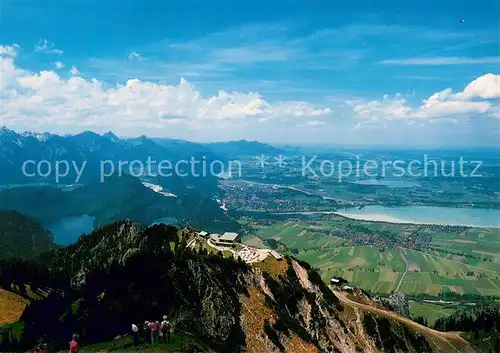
(389, 73)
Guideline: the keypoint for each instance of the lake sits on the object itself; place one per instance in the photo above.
(472, 217)
(166, 220)
(391, 183)
(67, 230)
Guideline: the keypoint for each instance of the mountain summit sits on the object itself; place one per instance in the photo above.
(125, 272)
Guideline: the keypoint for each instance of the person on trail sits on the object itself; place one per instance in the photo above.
(135, 334)
(145, 331)
(157, 335)
(154, 327)
(165, 329)
(169, 330)
(73, 345)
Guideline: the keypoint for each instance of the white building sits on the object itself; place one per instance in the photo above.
(276, 255)
(227, 239)
(214, 238)
(203, 234)
(230, 238)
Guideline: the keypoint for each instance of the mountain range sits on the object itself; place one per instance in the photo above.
(117, 195)
(22, 236)
(16, 148)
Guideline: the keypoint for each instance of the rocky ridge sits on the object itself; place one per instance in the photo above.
(272, 306)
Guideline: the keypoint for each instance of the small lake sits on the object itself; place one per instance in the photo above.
(391, 183)
(67, 230)
(171, 221)
(472, 217)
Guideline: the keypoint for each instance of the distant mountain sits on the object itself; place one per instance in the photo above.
(22, 236)
(239, 148)
(187, 149)
(111, 136)
(92, 148)
(16, 149)
(110, 147)
(122, 194)
(126, 273)
(114, 199)
(94, 142)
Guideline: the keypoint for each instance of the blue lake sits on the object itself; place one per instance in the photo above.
(472, 217)
(166, 220)
(391, 183)
(67, 230)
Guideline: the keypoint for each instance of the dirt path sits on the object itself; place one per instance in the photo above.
(445, 336)
(404, 274)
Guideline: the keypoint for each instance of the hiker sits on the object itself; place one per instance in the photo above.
(169, 330)
(165, 330)
(135, 334)
(154, 326)
(145, 331)
(73, 345)
(157, 333)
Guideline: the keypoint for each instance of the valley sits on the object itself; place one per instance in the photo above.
(380, 235)
(249, 176)
(453, 260)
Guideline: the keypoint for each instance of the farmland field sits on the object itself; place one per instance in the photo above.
(431, 312)
(461, 261)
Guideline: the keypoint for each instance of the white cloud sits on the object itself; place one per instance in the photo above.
(313, 123)
(485, 87)
(444, 120)
(385, 109)
(74, 70)
(59, 65)
(435, 107)
(47, 100)
(475, 99)
(370, 124)
(134, 56)
(9, 50)
(45, 47)
(438, 61)
(298, 109)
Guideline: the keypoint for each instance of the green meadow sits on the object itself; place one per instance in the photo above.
(466, 262)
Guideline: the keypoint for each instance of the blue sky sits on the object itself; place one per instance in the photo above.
(372, 72)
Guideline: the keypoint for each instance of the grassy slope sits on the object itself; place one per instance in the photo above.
(446, 341)
(125, 344)
(431, 312)
(11, 307)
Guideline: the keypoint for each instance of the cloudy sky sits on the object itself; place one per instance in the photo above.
(366, 72)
